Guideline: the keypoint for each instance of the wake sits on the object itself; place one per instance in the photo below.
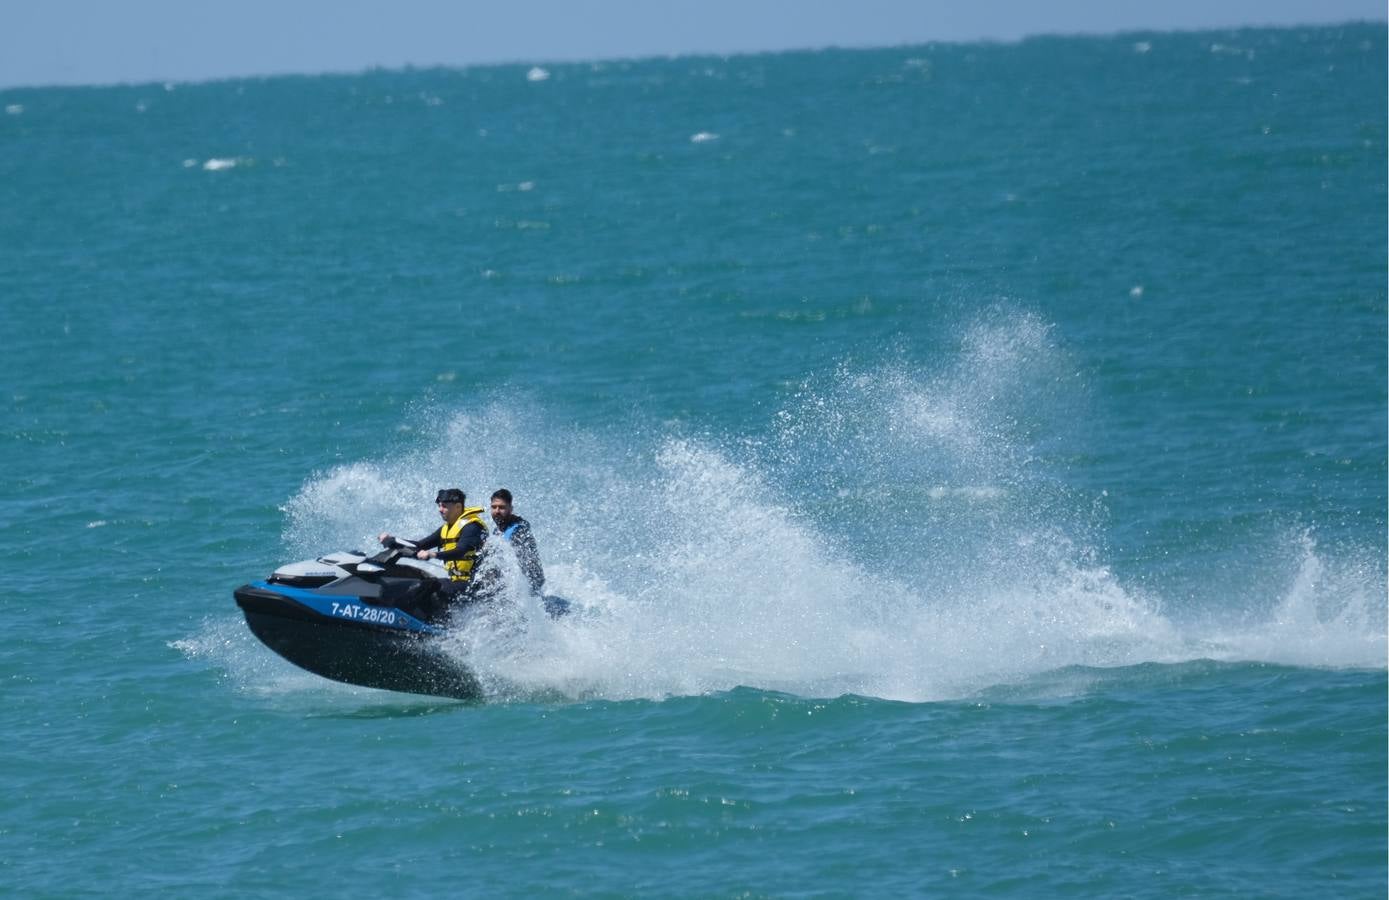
(894, 533)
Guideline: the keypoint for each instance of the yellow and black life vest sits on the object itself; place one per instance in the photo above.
(460, 569)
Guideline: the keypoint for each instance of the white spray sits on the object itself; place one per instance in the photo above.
(898, 534)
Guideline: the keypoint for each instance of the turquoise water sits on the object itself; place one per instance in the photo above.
(971, 460)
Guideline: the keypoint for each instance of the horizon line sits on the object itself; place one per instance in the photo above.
(638, 57)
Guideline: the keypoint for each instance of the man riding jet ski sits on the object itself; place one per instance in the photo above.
(456, 543)
(379, 621)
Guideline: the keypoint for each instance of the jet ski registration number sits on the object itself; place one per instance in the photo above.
(364, 613)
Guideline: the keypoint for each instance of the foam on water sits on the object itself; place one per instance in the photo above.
(897, 533)
(1331, 612)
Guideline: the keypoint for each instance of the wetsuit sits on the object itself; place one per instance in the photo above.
(517, 532)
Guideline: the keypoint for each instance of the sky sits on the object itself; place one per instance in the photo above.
(65, 42)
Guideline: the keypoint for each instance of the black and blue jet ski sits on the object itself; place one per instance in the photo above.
(376, 621)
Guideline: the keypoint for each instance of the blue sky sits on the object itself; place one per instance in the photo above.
(45, 42)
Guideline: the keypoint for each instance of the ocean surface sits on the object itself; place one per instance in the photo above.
(970, 461)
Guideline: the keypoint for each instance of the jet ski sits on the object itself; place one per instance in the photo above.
(377, 621)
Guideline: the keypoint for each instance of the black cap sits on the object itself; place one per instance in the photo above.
(449, 495)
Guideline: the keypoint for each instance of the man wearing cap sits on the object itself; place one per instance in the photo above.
(457, 541)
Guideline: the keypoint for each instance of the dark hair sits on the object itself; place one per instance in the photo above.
(502, 494)
(449, 495)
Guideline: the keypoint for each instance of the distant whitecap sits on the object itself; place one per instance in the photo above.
(1142, 47)
(1232, 51)
(537, 74)
(1136, 291)
(14, 109)
(217, 165)
(703, 137)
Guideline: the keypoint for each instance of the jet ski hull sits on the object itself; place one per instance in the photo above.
(347, 639)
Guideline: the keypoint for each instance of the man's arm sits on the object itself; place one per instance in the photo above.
(528, 557)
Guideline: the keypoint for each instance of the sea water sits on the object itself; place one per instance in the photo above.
(969, 463)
